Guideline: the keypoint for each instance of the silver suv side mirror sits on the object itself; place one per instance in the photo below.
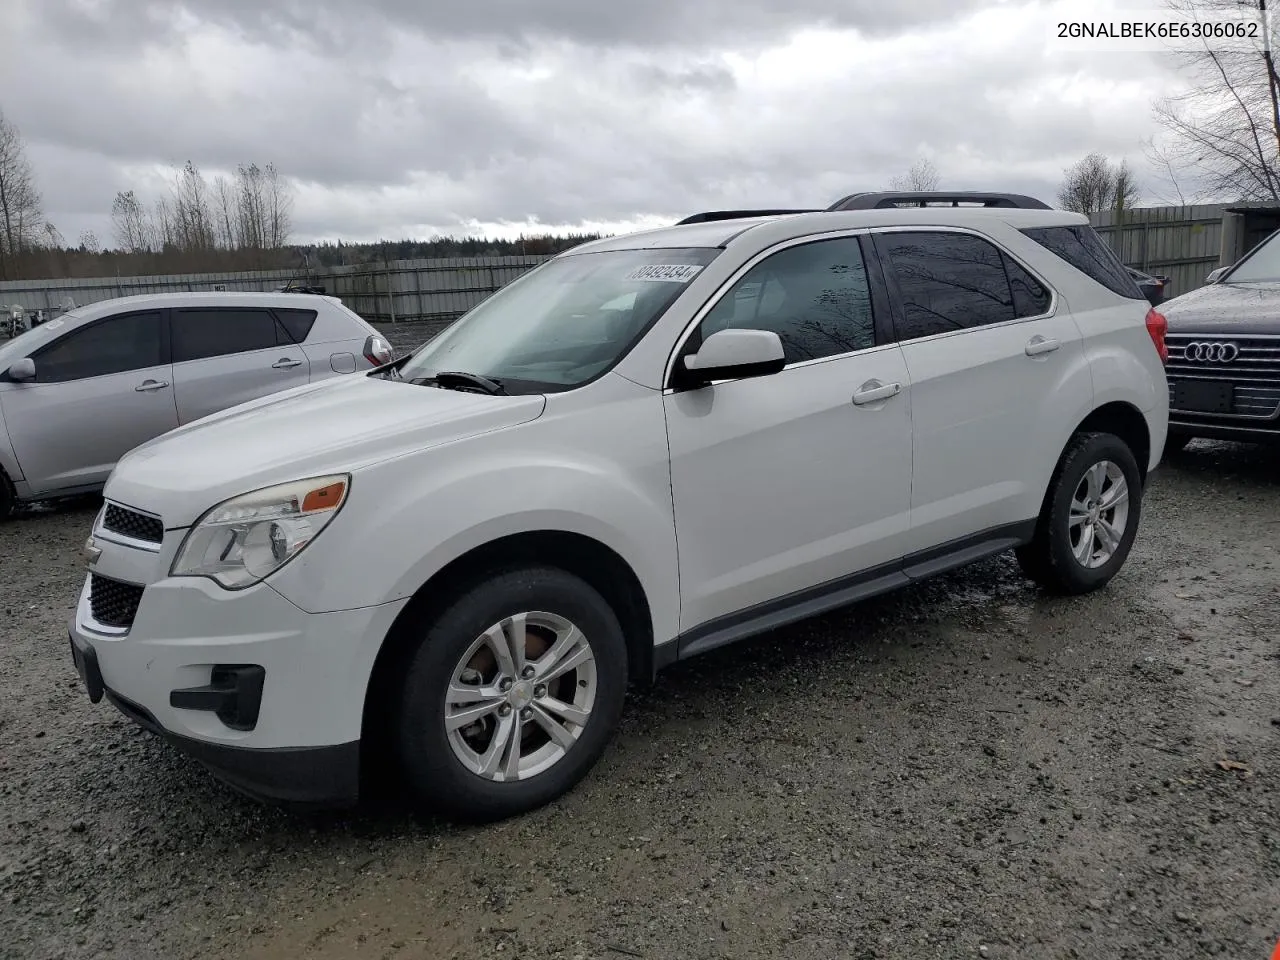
(734, 354)
(23, 370)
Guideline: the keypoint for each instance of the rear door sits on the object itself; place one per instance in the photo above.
(100, 390)
(223, 356)
(997, 370)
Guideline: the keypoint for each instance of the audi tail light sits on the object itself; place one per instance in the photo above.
(1158, 327)
(377, 351)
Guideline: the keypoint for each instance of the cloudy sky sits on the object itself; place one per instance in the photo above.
(411, 117)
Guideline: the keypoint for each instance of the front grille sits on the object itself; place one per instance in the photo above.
(1250, 364)
(113, 604)
(1258, 358)
(129, 523)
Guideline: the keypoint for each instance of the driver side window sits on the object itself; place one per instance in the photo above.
(118, 344)
(814, 296)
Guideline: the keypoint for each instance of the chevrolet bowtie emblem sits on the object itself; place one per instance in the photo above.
(91, 550)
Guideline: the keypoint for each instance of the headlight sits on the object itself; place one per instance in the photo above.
(247, 538)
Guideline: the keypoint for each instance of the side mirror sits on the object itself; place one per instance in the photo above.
(23, 370)
(1216, 275)
(733, 355)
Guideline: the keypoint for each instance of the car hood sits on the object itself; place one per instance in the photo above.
(1226, 308)
(334, 426)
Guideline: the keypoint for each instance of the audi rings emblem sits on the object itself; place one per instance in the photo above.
(1208, 352)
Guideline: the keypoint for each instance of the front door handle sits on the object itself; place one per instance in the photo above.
(148, 386)
(284, 363)
(1040, 345)
(873, 391)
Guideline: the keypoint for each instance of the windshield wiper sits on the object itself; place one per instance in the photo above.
(458, 379)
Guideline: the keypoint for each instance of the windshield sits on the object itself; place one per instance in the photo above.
(565, 322)
(1263, 263)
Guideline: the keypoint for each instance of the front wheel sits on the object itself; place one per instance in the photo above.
(7, 497)
(1090, 517)
(511, 696)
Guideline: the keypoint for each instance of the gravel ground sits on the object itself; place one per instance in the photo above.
(966, 768)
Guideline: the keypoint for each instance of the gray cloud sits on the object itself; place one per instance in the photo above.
(608, 23)
(401, 117)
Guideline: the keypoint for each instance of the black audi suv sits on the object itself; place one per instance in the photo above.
(1224, 353)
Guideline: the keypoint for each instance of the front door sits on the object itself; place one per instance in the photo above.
(802, 479)
(100, 390)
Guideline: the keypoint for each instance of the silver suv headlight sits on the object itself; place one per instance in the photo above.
(244, 540)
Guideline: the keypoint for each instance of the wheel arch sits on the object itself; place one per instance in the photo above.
(1127, 422)
(584, 556)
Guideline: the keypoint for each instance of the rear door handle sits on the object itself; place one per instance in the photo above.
(1040, 345)
(284, 363)
(148, 386)
(873, 391)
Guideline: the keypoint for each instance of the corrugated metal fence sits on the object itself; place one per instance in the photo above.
(400, 290)
(1181, 243)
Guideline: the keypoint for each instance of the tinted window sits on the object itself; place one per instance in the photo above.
(127, 342)
(1081, 247)
(815, 297)
(948, 281)
(1030, 296)
(213, 333)
(297, 324)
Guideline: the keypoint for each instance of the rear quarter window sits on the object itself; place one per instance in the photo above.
(297, 323)
(1080, 246)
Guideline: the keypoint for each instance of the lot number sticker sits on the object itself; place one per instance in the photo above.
(671, 272)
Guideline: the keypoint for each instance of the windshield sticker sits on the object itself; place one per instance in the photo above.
(670, 272)
(52, 325)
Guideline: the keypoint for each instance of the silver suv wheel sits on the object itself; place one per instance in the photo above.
(520, 696)
(1099, 514)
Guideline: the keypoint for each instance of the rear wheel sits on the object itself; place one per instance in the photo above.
(511, 695)
(1090, 517)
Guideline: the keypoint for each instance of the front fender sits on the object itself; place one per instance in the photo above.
(410, 517)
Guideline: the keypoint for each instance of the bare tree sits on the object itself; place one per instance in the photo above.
(129, 220)
(192, 216)
(1225, 128)
(922, 176)
(89, 242)
(161, 229)
(21, 219)
(1158, 155)
(250, 208)
(1095, 183)
(279, 208)
(224, 200)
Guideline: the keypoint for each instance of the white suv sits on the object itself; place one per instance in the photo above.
(648, 447)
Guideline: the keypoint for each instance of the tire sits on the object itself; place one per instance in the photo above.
(1051, 558)
(1176, 443)
(447, 656)
(7, 498)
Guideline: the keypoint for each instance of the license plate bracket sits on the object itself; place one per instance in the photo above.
(1204, 396)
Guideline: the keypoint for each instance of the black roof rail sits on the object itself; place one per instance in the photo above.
(710, 215)
(888, 199)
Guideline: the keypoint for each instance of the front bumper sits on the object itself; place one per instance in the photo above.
(270, 698)
(319, 776)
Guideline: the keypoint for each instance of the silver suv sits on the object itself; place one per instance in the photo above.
(79, 392)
